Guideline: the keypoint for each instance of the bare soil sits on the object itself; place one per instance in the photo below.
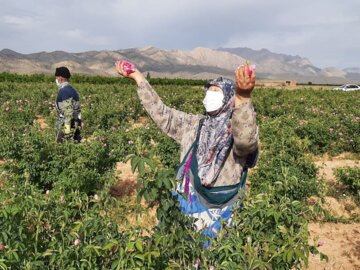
(127, 182)
(326, 166)
(40, 120)
(141, 122)
(340, 242)
(125, 188)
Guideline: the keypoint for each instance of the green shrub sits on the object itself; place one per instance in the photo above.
(350, 177)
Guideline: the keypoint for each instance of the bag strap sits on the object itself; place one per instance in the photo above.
(222, 194)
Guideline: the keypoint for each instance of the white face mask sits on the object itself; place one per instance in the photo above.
(57, 82)
(213, 100)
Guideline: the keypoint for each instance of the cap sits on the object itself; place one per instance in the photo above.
(62, 72)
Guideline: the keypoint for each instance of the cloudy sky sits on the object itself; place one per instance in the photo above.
(327, 32)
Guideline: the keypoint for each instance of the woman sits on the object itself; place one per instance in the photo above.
(216, 149)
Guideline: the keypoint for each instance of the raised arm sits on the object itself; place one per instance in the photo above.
(243, 123)
(173, 122)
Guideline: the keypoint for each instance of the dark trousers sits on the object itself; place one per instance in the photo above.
(74, 135)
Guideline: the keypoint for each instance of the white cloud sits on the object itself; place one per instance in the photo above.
(85, 38)
(20, 22)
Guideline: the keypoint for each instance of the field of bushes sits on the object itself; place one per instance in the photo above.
(56, 211)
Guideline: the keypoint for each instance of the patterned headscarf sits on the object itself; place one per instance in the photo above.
(215, 140)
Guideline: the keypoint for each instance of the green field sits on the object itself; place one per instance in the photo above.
(56, 211)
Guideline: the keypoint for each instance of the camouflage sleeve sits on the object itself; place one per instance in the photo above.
(173, 122)
(244, 129)
(76, 110)
(66, 109)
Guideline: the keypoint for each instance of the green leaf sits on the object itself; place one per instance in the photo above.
(77, 226)
(139, 196)
(296, 203)
(48, 252)
(147, 196)
(227, 247)
(129, 157)
(139, 246)
(282, 229)
(139, 256)
(134, 163)
(154, 193)
(130, 245)
(150, 163)
(115, 265)
(167, 183)
(165, 206)
(3, 265)
(290, 255)
(141, 167)
(324, 257)
(16, 255)
(5, 237)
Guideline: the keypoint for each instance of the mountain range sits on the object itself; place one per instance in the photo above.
(199, 63)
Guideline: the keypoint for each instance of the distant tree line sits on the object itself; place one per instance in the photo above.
(76, 78)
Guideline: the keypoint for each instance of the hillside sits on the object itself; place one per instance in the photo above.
(199, 63)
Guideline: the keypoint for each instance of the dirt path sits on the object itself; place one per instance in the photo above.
(340, 242)
(326, 167)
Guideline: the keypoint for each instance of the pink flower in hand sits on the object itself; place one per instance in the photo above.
(128, 67)
(251, 69)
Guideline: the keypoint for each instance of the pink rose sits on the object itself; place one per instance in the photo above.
(251, 69)
(77, 242)
(321, 243)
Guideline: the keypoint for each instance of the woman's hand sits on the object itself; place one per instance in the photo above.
(245, 81)
(128, 70)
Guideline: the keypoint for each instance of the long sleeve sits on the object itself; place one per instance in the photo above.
(245, 130)
(173, 122)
